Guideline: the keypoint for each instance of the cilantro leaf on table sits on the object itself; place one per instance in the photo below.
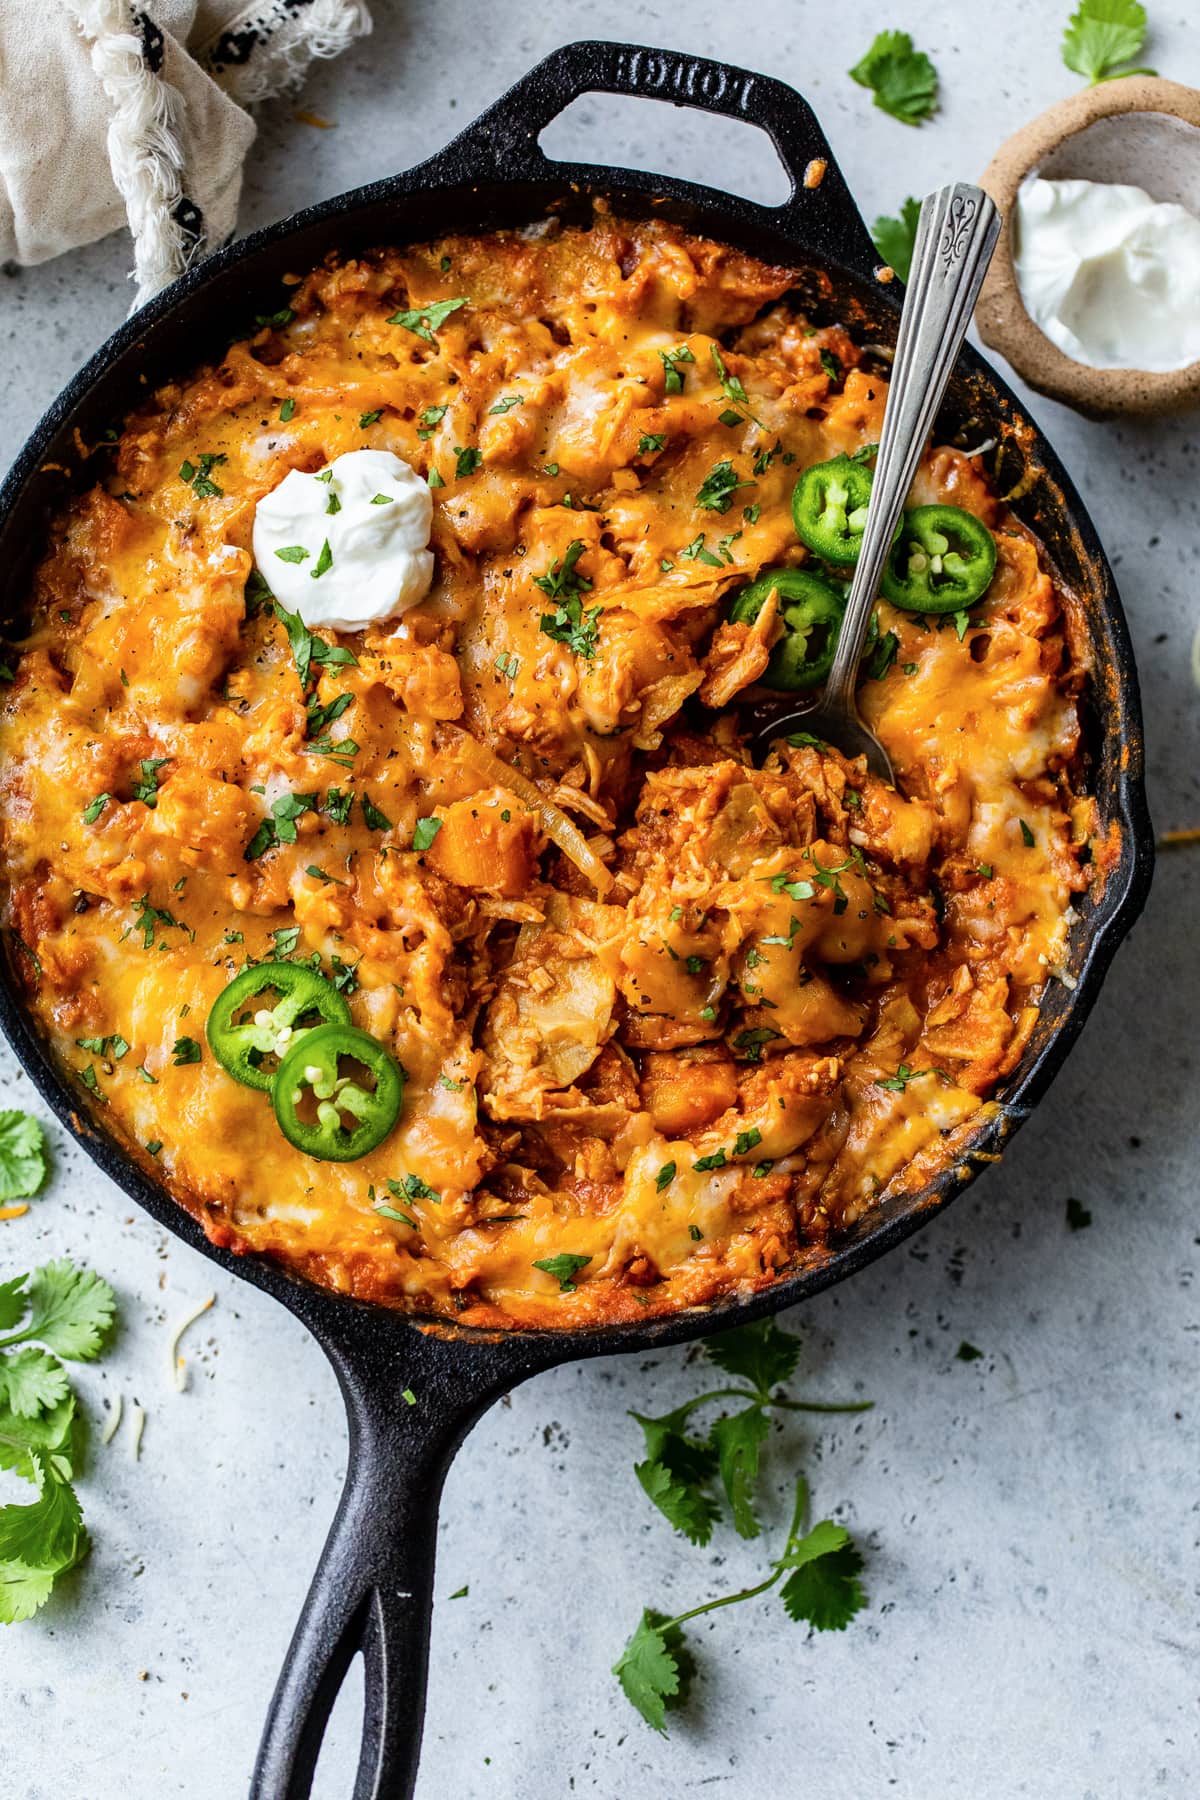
(821, 1588)
(22, 1591)
(825, 1591)
(738, 1438)
(22, 1161)
(49, 1434)
(667, 1442)
(32, 1382)
(13, 1301)
(1101, 35)
(679, 1467)
(683, 1503)
(38, 1542)
(902, 79)
(895, 238)
(649, 1672)
(70, 1311)
(761, 1354)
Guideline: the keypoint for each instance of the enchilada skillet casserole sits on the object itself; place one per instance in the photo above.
(645, 1025)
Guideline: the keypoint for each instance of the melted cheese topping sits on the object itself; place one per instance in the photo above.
(658, 1010)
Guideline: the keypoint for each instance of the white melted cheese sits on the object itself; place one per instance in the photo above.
(349, 546)
(1110, 275)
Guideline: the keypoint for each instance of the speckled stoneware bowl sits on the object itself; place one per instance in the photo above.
(1139, 130)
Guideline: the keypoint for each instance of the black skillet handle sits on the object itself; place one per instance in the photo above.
(503, 141)
(373, 1588)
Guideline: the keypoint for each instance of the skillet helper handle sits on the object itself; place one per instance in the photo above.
(373, 1587)
(504, 139)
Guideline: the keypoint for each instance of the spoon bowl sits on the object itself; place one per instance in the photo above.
(956, 235)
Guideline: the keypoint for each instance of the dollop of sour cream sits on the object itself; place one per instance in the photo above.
(1110, 275)
(348, 546)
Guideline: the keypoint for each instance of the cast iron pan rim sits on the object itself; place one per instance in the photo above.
(1123, 899)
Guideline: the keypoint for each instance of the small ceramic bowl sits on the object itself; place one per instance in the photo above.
(1136, 129)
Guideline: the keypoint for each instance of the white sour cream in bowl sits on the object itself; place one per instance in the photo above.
(1111, 275)
(349, 546)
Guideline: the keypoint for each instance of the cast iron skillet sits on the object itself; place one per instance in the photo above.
(372, 1589)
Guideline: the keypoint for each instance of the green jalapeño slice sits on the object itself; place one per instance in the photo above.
(337, 1093)
(810, 612)
(943, 561)
(263, 1012)
(829, 508)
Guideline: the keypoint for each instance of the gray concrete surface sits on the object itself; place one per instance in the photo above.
(1031, 1517)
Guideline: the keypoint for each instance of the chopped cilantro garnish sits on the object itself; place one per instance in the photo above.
(198, 478)
(670, 359)
(719, 486)
(146, 790)
(424, 321)
(564, 1268)
(413, 1188)
(697, 551)
(569, 624)
(751, 1042)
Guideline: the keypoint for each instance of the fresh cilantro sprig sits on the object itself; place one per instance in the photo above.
(679, 1469)
(819, 1571)
(902, 79)
(59, 1311)
(895, 239)
(1101, 35)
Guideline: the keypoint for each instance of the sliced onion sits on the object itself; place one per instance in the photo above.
(555, 823)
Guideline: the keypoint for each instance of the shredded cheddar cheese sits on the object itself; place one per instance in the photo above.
(675, 1017)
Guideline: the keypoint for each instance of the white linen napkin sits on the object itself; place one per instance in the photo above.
(117, 113)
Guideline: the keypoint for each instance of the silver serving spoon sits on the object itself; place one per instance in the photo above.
(956, 234)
